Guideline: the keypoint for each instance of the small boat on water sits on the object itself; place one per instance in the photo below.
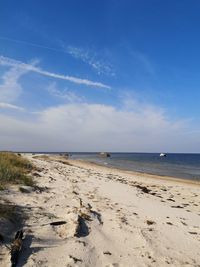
(163, 155)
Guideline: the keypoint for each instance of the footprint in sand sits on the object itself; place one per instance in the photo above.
(170, 199)
(169, 223)
(150, 222)
(124, 220)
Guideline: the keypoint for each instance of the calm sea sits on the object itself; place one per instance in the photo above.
(186, 166)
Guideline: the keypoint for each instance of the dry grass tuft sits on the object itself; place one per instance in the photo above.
(14, 169)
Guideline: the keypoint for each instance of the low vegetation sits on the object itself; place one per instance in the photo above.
(14, 169)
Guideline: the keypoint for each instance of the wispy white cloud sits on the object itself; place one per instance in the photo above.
(65, 94)
(95, 127)
(10, 106)
(5, 61)
(10, 88)
(90, 58)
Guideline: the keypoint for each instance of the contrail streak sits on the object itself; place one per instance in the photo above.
(5, 61)
(31, 44)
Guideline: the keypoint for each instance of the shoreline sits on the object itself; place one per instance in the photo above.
(139, 174)
(174, 175)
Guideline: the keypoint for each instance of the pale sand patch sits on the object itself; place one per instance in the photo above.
(114, 218)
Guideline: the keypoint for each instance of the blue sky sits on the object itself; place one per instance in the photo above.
(100, 75)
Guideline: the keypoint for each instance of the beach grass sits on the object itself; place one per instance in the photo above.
(14, 169)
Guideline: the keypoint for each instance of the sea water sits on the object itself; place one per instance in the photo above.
(186, 166)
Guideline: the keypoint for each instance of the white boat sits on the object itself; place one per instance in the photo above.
(163, 155)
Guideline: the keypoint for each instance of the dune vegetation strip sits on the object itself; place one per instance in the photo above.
(14, 169)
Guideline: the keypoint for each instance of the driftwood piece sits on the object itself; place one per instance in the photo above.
(57, 223)
(16, 248)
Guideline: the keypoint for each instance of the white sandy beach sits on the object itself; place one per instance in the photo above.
(114, 218)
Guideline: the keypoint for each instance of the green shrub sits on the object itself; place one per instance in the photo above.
(14, 169)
